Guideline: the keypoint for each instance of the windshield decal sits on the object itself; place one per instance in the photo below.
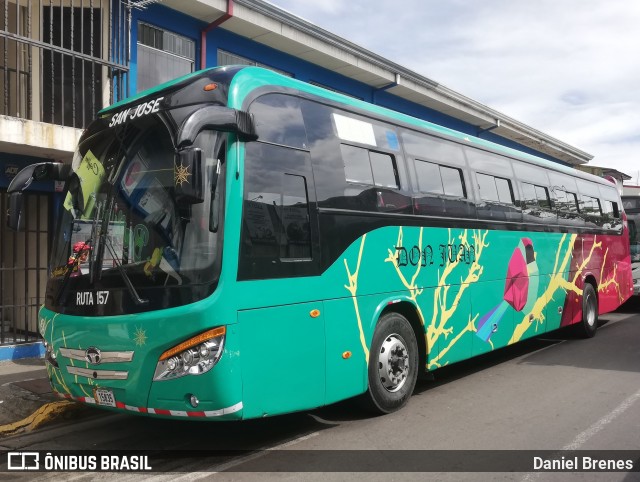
(146, 108)
(90, 172)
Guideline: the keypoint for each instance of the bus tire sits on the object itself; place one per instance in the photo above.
(589, 325)
(393, 365)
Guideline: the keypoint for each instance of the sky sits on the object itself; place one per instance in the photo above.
(569, 68)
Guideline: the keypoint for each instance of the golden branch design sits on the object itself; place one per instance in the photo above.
(441, 313)
(352, 287)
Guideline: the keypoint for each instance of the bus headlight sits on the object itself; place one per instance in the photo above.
(195, 356)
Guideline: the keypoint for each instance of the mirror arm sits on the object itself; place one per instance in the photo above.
(219, 118)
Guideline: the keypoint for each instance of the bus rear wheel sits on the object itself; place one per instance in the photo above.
(393, 365)
(589, 325)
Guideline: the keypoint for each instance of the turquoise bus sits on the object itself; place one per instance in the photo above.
(238, 244)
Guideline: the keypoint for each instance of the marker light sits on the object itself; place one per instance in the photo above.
(195, 356)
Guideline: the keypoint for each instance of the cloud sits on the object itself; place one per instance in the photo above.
(568, 68)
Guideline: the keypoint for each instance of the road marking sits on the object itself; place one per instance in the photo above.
(583, 437)
(588, 434)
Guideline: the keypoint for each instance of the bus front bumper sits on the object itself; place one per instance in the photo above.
(110, 363)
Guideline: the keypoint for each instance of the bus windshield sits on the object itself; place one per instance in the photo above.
(123, 225)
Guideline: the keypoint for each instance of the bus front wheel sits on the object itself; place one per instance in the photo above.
(587, 328)
(393, 365)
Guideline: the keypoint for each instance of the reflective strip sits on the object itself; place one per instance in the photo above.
(159, 411)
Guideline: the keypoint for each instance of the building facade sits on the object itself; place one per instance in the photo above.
(61, 62)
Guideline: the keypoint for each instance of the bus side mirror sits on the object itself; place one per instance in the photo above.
(188, 176)
(42, 171)
(15, 220)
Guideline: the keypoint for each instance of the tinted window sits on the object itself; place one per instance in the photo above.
(363, 166)
(489, 162)
(276, 224)
(572, 202)
(529, 197)
(433, 149)
(384, 172)
(542, 193)
(278, 119)
(375, 178)
(296, 239)
(537, 207)
(562, 181)
(588, 188)
(566, 201)
(504, 191)
(432, 178)
(496, 189)
(428, 177)
(590, 205)
(357, 167)
(487, 187)
(498, 194)
(452, 181)
(533, 174)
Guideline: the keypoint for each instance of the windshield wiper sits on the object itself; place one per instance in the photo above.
(127, 281)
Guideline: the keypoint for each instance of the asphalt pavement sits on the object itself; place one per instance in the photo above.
(27, 402)
(26, 399)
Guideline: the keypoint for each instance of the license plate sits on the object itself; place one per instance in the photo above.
(104, 397)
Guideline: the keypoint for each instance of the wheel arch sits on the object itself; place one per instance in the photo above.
(591, 279)
(410, 311)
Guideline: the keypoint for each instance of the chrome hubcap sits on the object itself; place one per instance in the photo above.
(393, 363)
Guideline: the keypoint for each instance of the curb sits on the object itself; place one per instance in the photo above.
(23, 350)
(44, 414)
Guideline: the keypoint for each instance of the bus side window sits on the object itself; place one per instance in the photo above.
(296, 234)
(366, 167)
(276, 220)
(590, 210)
(615, 218)
(429, 183)
(438, 176)
(497, 196)
(567, 207)
(536, 204)
(278, 119)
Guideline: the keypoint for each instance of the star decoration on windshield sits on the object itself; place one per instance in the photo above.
(181, 174)
(140, 336)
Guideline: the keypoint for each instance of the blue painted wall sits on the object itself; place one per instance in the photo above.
(11, 164)
(219, 38)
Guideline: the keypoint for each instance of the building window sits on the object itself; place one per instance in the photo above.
(227, 58)
(162, 56)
